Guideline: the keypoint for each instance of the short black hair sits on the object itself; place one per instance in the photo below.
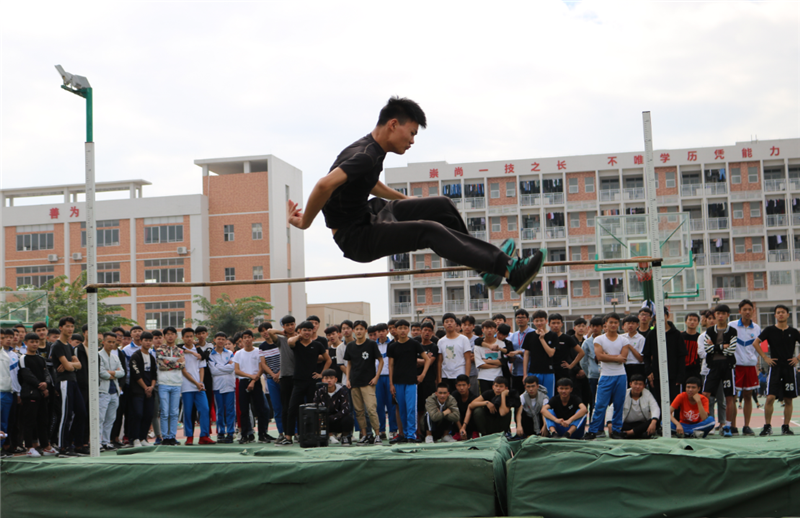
(66, 320)
(155, 333)
(401, 322)
(504, 329)
(371, 329)
(722, 308)
(694, 381)
(381, 327)
(579, 321)
(522, 311)
(200, 329)
(263, 326)
(530, 380)
(331, 329)
(708, 313)
(362, 323)
(305, 324)
(468, 319)
(170, 329)
(76, 336)
(489, 323)
(38, 325)
(462, 377)
(746, 302)
(348, 323)
(247, 332)
(565, 382)
(116, 329)
(539, 313)
(449, 315)
(500, 316)
(415, 324)
(140, 328)
(555, 316)
(402, 109)
(220, 334)
(392, 322)
(646, 310)
(426, 325)
(631, 319)
(443, 385)
(33, 336)
(146, 335)
(695, 315)
(329, 373)
(610, 316)
(781, 306)
(287, 319)
(186, 330)
(501, 381)
(126, 333)
(315, 318)
(109, 333)
(596, 321)
(636, 377)
(53, 331)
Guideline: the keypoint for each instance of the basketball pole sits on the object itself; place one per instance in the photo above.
(658, 288)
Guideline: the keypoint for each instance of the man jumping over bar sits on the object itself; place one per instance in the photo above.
(366, 230)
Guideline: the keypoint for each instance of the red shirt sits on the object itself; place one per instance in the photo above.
(690, 413)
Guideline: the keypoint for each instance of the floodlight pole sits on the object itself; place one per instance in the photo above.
(91, 274)
(658, 288)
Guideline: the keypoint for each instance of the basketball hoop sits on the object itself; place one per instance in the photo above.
(643, 271)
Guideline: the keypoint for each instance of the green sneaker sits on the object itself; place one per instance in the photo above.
(521, 272)
(491, 280)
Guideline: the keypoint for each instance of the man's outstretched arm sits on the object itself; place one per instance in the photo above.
(381, 190)
(316, 200)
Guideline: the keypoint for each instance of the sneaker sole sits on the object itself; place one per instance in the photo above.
(527, 282)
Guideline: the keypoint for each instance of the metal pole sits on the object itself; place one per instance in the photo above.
(655, 252)
(91, 278)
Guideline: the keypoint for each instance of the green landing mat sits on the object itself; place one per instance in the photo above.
(667, 478)
(436, 480)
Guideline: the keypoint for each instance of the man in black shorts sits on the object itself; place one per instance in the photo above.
(781, 381)
(720, 347)
(366, 230)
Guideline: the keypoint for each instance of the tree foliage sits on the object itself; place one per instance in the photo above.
(229, 316)
(69, 299)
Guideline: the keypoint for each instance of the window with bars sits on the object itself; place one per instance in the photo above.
(417, 192)
(496, 224)
(436, 295)
(755, 211)
(511, 189)
(420, 296)
(436, 261)
(736, 175)
(758, 280)
(433, 190)
(574, 220)
(752, 174)
(511, 221)
(419, 261)
(588, 184)
(230, 274)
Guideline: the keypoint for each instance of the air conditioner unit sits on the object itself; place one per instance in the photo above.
(77, 256)
(182, 250)
(52, 258)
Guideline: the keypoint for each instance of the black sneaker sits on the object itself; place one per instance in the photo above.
(589, 436)
(364, 440)
(65, 453)
(617, 435)
(246, 439)
(491, 280)
(347, 440)
(285, 442)
(766, 431)
(734, 430)
(521, 272)
(377, 441)
(398, 439)
(264, 439)
(746, 430)
(83, 451)
(382, 436)
(785, 430)
(270, 438)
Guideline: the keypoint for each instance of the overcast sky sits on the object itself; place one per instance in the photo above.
(174, 82)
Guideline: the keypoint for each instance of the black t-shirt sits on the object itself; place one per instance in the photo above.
(305, 359)
(512, 399)
(61, 349)
(562, 411)
(320, 364)
(430, 377)
(565, 350)
(781, 343)
(334, 364)
(362, 361)
(362, 162)
(541, 363)
(405, 361)
(464, 405)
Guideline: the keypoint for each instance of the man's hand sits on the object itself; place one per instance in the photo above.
(60, 368)
(651, 430)
(463, 432)
(112, 374)
(276, 377)
(697, 399)
(420, 378)
(490, 407)
(447, 411)
(651, 378)
(679, 429)
(771, 361)
(46, 393)
(504, 393)
(43, 386)
(316, 375)
(580, 375)
(393, 390)
(348, 385)
(564, 365)
(294, 215)
(200, 387)
(374, 381)
(793, 361)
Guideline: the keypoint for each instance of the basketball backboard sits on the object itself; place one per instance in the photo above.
(626, 236)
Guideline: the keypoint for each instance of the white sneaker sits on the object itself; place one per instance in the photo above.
(50, 452)
(698, 434)
(333, 440)
(448, 438)
(137, 443)
(429, 439)
(33, 453)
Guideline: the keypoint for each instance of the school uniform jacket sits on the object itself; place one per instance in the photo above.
(138, 372)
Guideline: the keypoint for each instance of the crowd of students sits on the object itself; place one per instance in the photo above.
(395, 382)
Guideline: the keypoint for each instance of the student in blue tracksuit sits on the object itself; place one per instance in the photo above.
(565, 414)
(220, 363)
(383, 391)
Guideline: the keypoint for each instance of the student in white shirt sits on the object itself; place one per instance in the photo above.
(487, 356)
(455, 353)
(193, 390)
(247, 367)
(635, 363)
(220, 363)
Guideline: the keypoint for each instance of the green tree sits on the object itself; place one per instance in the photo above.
(69, 299)
(229, 316)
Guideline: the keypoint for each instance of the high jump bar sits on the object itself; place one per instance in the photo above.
(90, 288)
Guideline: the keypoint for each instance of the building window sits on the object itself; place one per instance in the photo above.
(230, 274)
(34, 276)
(258, 273)
(594, 288)
(573, 185)
(755, 211)
(29, 242)
(779, 278)
(168, 229)
(494, 190)
(511, 189)
(436, 261)
(419, 261)
(738, 244)
(495, 224)
(105, 236)
(436, 295)
(163, 270)
(258, 234)
(758, 245)
(511, 221)
(758, 280)
(738, 211)
(433, 190)
(227, 233)
(107, 273)
(590, 219)
(417, 192)
(670, 183)
(577, 290)
(576, 254)
(736, 175)
(752, 174)
(574, 220)
(420, 296)
(588, 184)
(590, 250)
(159, 315)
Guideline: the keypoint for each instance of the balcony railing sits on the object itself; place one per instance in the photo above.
(582, 239)
(691, 189)
(747, 229)
(718, 223)
(777, 220)
(531, 234)
(427, 281)
(794, 184)
(778, 185)
(778, 256)
(431, 309)
(474, 203)
(609, 195)
(533, 302)
(714, 189)
(796, 219)
(619, 295)
(719, 259)
(738, 293)
(557, 301)
(588, 273)
(635, 228)
(699, 259)
(748, 266)
(529, 200)
(479, 305)
(556, 232)
(453, 275)
(455, 306)
(401, 277)
(559, 268)
(746, 195)
(797, 258)
(479, 234)
(456, 201)
(402, 308)
(553, 198)
(504, 305)
(633, 193)
(697, 225)
(585, 302)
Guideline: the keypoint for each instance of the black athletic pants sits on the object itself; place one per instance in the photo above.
(639, 429)
(253, 399)
(140, 415)
(122, 409)
(401, 226)
(287, 385)
(343, 425)
(35, 422)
